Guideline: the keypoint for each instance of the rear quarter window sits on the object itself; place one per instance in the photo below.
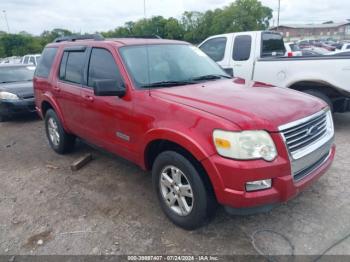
(272, 45)
(45, 63)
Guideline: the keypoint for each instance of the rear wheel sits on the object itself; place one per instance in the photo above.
(320, 95)
(181, 191)
(59, 140)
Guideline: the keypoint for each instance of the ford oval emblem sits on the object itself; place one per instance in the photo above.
(312, 131)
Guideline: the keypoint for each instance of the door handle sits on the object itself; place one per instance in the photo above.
(89, 98)
(57, 89)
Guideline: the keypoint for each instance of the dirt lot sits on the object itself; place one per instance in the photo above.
(108, 207)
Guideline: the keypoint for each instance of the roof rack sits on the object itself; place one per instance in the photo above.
(142, 36)
(72, 38)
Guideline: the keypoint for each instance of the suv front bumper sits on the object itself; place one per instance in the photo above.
(229, 178)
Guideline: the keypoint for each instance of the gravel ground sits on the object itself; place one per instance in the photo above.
(108, 207)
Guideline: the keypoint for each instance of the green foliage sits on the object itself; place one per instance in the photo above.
(194, 27)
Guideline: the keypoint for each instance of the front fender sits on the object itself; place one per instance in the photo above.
(199, 149)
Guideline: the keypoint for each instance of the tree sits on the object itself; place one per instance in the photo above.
(194, 27)
(173, 29)
(50, 36)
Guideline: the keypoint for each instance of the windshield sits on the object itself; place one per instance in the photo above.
(153, 65)
(16, 74)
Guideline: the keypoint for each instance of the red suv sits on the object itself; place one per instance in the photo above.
(167, 107)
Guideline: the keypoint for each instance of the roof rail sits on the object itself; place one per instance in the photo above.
(72, 38)
(142, 36)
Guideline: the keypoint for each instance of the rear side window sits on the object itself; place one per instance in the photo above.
(102, 66)
(272, 45)
(215, 48)
(348, 47)
(294, 47)
(26, 60)
(31, 60)
(46, 61)
(242, 47)
(71, 68)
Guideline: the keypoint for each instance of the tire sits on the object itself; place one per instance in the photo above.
(322, 96)
(201, 205)
(60, 141)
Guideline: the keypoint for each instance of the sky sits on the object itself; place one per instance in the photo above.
(87, 16)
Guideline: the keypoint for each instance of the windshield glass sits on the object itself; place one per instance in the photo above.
(169, 63)
(16, 74)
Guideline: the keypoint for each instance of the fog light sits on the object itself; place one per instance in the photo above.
(258, 185)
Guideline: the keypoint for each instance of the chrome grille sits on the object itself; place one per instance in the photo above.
(302, 135)
(309, 142)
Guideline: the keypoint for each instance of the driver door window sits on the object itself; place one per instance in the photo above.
(215, 48)
(102, 66)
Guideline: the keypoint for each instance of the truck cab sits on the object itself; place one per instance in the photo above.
(260, 56)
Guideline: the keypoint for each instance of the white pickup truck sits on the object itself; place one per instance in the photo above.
(260, 56)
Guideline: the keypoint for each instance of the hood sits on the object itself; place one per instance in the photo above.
(21, 89)
(248, 106)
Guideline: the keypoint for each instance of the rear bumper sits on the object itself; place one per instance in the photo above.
(16, 107)
(233, 175)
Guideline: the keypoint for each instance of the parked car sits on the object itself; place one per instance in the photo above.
(10, 60)
(309, 52)
(30, 59)
(339, 53)
(169, 108)
(318, 50)
(304, 44)
(345, 47)
(292, 49)
(259, 56)
(16, 90)
(329, 47)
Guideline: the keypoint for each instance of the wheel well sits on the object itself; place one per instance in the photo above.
(325, 88)
(158, 146)
(45, 106)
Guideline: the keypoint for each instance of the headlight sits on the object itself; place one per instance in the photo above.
(8, 96)
(245, 145)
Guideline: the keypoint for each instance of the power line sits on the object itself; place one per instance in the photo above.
(278, 15)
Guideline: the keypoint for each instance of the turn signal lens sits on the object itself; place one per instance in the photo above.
(222, 143)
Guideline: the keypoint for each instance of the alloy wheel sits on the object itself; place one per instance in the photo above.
(176, 190)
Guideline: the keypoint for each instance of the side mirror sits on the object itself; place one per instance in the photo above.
(109, 87)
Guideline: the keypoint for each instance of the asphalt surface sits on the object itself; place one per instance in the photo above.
(108, 207)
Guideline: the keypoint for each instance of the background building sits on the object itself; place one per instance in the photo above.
(339, 31)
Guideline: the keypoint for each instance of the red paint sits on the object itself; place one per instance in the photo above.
(186, 115)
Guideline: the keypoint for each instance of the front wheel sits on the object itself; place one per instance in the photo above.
(181, 192)
(60, 141)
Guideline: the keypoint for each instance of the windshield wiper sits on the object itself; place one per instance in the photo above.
(209, 77)
(167, 84)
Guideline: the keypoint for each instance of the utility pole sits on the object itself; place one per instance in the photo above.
(278, 14)
(7, 23)
(144, 9)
